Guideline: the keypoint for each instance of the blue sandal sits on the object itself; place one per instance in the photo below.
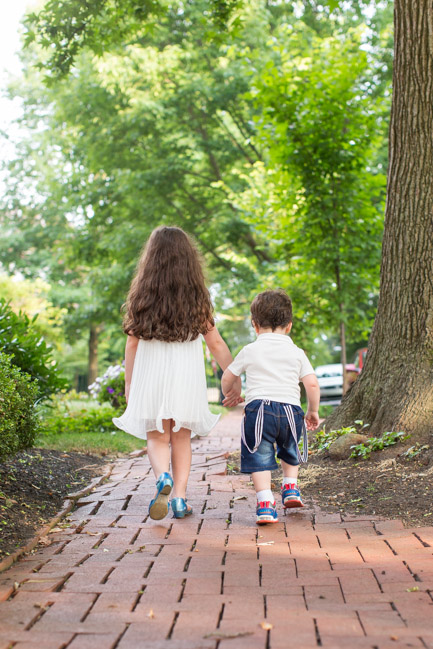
(159, 506)
(179, 508)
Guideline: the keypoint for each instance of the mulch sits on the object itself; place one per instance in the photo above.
(388, 485)
(33, 487)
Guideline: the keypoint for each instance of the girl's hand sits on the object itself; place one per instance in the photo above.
(232, 398)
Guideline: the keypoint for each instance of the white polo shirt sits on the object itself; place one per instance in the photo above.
(274, 365)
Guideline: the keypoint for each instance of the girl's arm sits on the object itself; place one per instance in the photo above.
(223, 357)
(130, 351)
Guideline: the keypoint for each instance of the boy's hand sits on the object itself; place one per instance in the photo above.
(233, 396)
(312, 420)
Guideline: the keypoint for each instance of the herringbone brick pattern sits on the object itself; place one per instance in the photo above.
(114, 579)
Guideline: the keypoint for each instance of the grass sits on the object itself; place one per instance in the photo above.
(115, 442)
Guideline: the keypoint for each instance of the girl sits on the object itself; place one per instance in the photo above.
(167, 309)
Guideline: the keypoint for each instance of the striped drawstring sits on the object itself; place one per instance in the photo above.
(291, 419)
(258, 431)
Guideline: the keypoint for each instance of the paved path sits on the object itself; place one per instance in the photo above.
(116, 580)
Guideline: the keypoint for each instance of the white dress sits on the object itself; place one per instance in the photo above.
(168, 382)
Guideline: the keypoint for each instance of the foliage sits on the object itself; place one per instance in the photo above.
(72, 413)
(110, 387)
(29, 351)
(32, 298)
(413, 451)
(18, 422)
(323, 439)
(377, 444)
(172, 127)
(320, 196)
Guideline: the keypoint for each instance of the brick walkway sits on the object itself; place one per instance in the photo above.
(117, 580)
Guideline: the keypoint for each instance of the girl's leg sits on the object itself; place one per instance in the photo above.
(180, 460)
(158, 449)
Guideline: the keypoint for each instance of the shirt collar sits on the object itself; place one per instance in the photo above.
(273, 336)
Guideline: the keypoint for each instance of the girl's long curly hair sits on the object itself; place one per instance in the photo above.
(168, 299)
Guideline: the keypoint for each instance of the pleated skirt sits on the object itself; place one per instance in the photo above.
(168, 382)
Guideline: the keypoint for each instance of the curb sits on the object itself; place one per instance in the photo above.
(68, 505)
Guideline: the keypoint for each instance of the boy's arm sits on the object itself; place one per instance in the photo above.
(312, 389)
(130, 351)
(231, 388)
(218, 347)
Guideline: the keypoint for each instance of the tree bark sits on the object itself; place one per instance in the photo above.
(95, 330)
(395, 389)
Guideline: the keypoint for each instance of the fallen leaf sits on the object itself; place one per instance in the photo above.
(55, 529)
(105, 550)
(240, 498)
(93, 533)
(151, 614)
(267, 626)
(393, 637)
(44, 540)
(414, 589)
(266, 543)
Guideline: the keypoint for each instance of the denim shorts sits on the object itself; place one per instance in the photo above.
(276, 430)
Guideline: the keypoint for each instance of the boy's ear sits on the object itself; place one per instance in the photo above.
(289, 327)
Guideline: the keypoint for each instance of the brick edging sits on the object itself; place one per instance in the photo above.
(67, 507)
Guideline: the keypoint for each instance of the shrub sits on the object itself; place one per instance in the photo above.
(96, 420)
(18, 422)
(29, 351)
(110, 387)
(76, 413)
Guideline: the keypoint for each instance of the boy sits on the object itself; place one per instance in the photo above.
(274, 366)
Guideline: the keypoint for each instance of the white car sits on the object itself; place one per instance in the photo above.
(330, 379)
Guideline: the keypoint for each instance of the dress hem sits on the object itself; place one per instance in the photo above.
(135, 426)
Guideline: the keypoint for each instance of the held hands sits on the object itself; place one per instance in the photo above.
(312, 420)
(233, 396)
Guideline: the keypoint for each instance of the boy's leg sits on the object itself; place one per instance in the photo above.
(290, 493)
(262, 485)
(266, 511)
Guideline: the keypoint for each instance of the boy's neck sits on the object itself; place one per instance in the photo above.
(278, 330)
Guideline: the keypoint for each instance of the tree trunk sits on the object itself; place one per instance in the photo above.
(95, 330)
(343, 352)
(395, 389)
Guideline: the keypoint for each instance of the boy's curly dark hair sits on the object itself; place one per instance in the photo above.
(168, 299)
(271, 309)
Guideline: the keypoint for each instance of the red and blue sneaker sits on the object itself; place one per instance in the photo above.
(266, 513)
(291, 496)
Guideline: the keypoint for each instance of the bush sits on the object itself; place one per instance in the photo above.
(110, 387)
(18, 422)
(62, 419)
(29, 351)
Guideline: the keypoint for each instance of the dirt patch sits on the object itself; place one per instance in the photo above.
(389, 484)
(33, 487)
